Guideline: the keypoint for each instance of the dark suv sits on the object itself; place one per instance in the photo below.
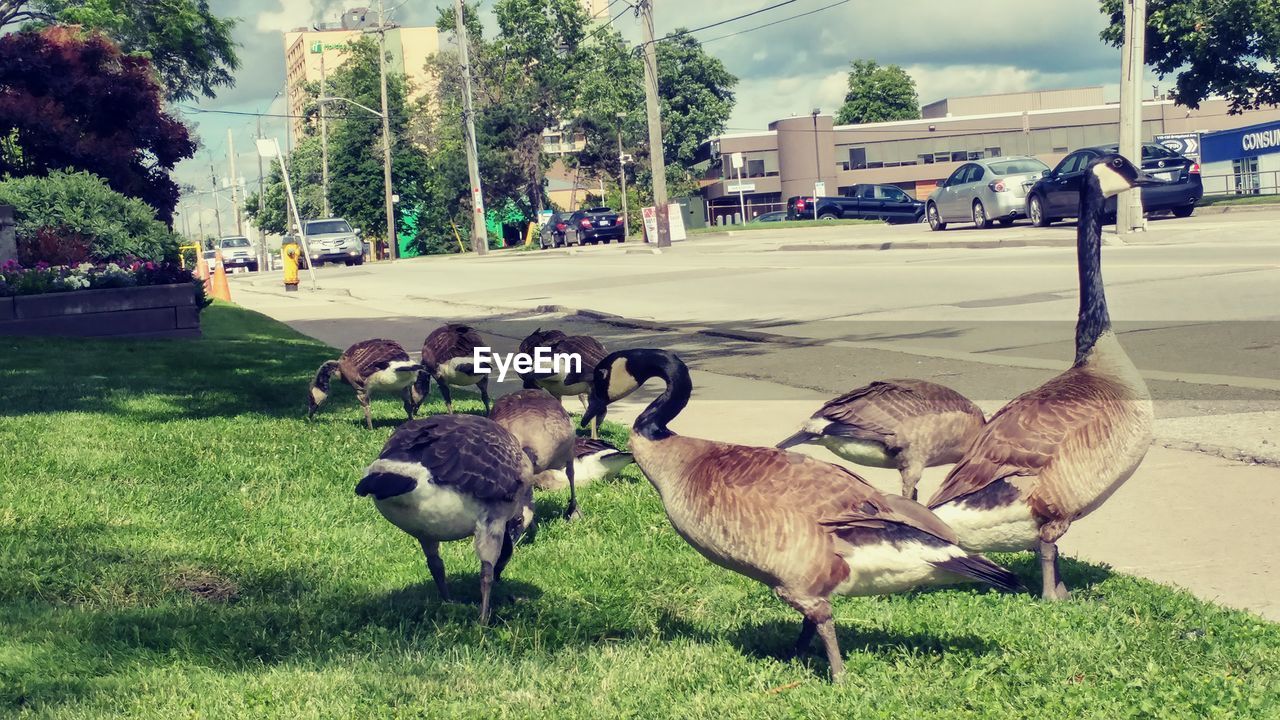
(1057, 194)
(594, 225)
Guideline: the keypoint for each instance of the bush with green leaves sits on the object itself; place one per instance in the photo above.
(82, 205)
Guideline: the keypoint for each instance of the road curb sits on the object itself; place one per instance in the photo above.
(959, 245)
(1224, 209)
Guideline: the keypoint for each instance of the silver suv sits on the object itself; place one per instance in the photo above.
(237, 251)
(333, 240)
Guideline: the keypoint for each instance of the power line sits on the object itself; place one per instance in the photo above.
(775, 22)
(718, 23)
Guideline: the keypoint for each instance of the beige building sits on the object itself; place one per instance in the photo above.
(311, 53)
(786, 159)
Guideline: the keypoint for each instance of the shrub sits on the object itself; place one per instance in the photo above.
(15, 279)
(56, 213)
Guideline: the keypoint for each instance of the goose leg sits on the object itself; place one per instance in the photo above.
(911, 472)
(571, 512)
(407, 396)
(489, 541)
(504, 557)
(1054, 588)
(431, 549)
(484, 393)
(444, 393)
(817, 617)
(807, 631)
(363, 397)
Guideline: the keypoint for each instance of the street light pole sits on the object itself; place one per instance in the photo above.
(236, 200)
(324, 142)
(392, 241)
(1129, 204)
(817, 162)
(659, 166)
(479, 233)
(622, 180)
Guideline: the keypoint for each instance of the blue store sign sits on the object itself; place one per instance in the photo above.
(1242, 142)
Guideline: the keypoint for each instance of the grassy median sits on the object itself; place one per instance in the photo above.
(175, 540)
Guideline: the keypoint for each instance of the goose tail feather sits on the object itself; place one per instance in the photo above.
(981, 569)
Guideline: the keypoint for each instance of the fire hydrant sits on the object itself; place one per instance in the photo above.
(290, 254)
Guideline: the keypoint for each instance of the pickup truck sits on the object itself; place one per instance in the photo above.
(862, 202)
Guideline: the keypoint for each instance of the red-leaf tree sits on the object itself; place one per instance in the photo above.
(70, 99)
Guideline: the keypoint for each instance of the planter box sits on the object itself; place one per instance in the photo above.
(156, 311)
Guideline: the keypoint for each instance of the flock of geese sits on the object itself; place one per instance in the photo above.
(805, 528)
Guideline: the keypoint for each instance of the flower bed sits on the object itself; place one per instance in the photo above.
(90, 300)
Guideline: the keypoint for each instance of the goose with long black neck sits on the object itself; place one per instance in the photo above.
(1057, 452)
(804, 528)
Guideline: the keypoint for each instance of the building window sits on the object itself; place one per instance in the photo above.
(755, 168)
(993, 152)
(857, 158)
(1245, 171)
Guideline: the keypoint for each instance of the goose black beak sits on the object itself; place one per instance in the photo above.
(597, 408)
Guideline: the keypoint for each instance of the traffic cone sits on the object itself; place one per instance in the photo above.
(221, 290)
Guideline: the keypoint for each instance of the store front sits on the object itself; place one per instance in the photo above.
(1244, 161)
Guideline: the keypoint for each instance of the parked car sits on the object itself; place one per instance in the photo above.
(770, 217)
(865, 202)
(333, 240)
(210, 259)
(237, 251)
(984, 191)
(594, 225)
(553, 230)
(1057, 194)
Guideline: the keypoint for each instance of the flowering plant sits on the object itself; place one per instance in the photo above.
(15, 279)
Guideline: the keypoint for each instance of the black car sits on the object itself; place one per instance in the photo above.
(888, 203)
(770, 217)
(1057, 194)
(594, 225)
(553, 230)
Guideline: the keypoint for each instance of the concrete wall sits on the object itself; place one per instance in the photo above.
(157, 311)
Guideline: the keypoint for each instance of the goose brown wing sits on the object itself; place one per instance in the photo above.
(369, 356)
(876, 411)
(585, 347)
(450, 341)
(835, 497)
(1029, 434)
(583, 446)
(471, 454)
(540, 338)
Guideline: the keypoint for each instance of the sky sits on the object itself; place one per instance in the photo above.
(787, 67)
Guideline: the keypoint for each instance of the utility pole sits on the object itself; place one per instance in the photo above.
(393, 242)
(236, 199)
(479, 234)
(217, 207)
(645, 8)
(1129, 203)
(622, 180)
(262, 190)
(324, 141)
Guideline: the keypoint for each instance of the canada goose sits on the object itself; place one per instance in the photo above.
(449, 477)
(544, 430)
(1057, 452)
(536, 339)
(905, 424)
(593, 461)
(569, 380)
(448, 355)
(805, 528)
(368, 366)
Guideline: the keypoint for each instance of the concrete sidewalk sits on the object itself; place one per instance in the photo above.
(1189, 519)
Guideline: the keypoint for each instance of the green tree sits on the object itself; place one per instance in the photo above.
(190, 48)
(1213, 47)
(695, 92)
(878, 93)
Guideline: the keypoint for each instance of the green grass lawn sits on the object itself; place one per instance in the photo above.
(177, 541)
(1241, 200)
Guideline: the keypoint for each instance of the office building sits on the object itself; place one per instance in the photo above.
(786, 159)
